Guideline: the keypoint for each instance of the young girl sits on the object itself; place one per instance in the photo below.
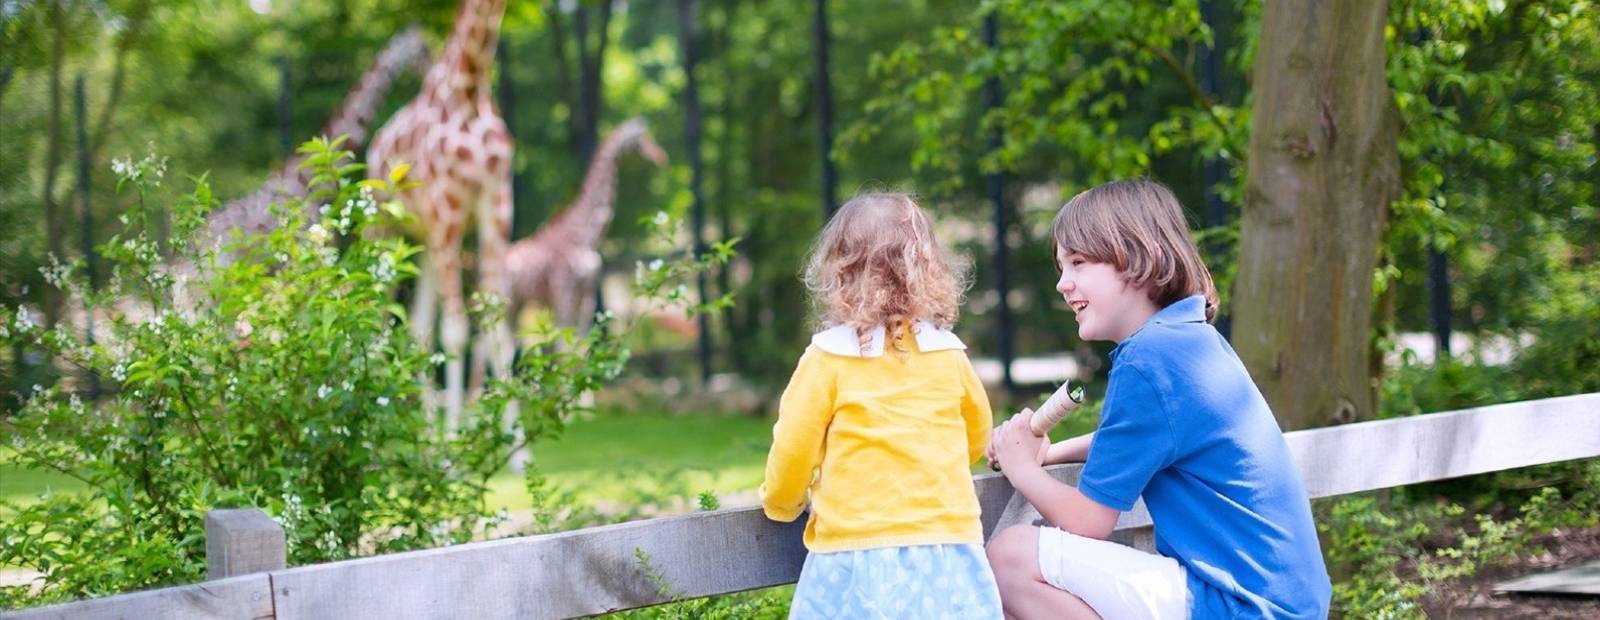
(1182, 426)
(879, 427)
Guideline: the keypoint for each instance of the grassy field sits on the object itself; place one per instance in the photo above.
(610, 457)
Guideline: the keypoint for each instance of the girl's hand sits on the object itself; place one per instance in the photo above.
(1015, 446)
(988, 451)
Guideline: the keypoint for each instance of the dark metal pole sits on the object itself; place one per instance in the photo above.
(285, 113)
(1439, 298)
(824, 110)
(691, 104)
(1438, 262)
(995, 183)
(87, 230)
(1215, 168)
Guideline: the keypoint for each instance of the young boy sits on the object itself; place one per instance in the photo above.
(1182, 425)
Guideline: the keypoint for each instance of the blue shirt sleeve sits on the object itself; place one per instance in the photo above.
(1133, 442)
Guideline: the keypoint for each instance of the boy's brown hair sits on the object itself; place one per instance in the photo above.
(1138, 227)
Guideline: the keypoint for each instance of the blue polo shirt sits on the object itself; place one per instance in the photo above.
(1185, 427)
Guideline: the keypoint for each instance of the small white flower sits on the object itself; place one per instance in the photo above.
(323, 391)
(318, 234)
(436, 359)
(25, 321)
(662, 218)
(656, 265)
(347, 386)
(282, 257)
(383, 401)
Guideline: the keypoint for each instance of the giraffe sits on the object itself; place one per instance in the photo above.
(460, 152)
(558, 266)
(252, 214)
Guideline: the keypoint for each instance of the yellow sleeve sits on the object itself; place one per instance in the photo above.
(803, 416)
(975, 410)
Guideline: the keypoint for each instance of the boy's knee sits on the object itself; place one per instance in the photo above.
(1014, 548)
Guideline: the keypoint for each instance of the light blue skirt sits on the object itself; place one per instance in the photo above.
(923, 581)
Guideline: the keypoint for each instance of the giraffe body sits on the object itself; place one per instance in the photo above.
(460, 152)
(252, 214)
(558, 266)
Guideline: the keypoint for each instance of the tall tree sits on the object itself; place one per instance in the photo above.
(1323, 168)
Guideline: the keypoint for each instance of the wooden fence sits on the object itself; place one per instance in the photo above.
(599, 569)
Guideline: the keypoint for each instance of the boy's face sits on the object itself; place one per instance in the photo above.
(1105, 306)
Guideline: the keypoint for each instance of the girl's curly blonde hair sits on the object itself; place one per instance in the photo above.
(878, 263)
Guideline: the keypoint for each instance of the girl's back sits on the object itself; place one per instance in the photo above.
(903, 428)
(879, 426)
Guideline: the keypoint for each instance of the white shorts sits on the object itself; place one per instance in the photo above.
(1119, 582)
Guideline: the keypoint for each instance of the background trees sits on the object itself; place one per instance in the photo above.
(1495, 101)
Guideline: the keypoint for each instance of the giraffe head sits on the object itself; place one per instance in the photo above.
(636, 133)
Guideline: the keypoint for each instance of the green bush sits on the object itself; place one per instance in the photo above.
(275, 373)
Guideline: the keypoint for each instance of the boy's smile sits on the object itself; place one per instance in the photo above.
(1105, 306)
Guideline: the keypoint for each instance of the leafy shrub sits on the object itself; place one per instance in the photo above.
(275, 372)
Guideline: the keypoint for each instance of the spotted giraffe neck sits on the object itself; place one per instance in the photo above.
(585, 220)
(252, 213)
(462, 72)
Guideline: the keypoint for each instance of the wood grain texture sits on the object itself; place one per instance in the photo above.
(596, 570)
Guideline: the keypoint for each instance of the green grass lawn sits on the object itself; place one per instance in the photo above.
(610, 456)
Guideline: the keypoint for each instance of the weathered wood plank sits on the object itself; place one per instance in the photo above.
(595, 570)
(554, 576)
(1388, 453)
(1580, 579)
(239, 598)
(243, 541)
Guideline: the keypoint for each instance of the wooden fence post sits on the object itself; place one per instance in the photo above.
(242, 541)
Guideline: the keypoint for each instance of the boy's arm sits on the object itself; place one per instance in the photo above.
(1060, 504)
(1074, 450)
(803, 416)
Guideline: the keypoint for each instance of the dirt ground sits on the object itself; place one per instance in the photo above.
(1474, 597)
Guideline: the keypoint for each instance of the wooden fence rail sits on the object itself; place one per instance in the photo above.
(600, 569)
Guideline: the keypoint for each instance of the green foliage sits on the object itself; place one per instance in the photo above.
(758, 604)
(1387, 555)
(275, 372)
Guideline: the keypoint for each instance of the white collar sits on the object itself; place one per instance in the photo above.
(842, 340)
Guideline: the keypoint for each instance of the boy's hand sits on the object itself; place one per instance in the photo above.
(1014, 445)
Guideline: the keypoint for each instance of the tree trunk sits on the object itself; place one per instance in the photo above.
(1323, 168)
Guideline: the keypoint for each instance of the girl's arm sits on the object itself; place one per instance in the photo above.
(804, 413)
(975, 412)
(1074, 450)
(1060, 504)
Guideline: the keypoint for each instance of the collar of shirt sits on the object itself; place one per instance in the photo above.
(842, 340)
(1191, 309)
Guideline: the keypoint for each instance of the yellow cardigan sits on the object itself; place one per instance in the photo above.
(894, 437)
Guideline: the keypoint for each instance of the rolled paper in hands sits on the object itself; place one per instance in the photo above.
(1056, 408)
(1053, 411)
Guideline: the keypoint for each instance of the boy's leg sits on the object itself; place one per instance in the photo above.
(1024, 593)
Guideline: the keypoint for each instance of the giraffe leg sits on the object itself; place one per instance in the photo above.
(445, 257)
(494, 232)
(584, 293)
(424, 308)
(494, 238)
